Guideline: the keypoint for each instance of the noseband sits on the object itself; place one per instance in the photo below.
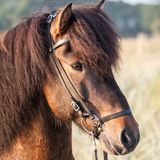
(82, 108)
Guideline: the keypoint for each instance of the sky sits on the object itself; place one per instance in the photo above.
(138, 1)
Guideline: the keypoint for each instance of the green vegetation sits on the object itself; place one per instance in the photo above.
(129, 19)
(150, 16)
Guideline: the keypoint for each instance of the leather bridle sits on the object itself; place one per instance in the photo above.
(79, 105)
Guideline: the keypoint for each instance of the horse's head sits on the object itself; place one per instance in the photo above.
(88, 59)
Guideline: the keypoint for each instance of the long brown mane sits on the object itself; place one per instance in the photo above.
(92, 32)
(24, 67)
(24, 62)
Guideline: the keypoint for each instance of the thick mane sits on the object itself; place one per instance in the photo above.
(23, 68)
(24, 62)
(93, 34)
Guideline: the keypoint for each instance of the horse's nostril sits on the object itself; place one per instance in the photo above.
(125, 139)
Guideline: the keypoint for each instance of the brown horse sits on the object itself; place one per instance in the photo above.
(35, 110)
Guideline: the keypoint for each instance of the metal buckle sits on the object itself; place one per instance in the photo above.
(51, 16)
(97, 120)
(75, 106)
(97, 124)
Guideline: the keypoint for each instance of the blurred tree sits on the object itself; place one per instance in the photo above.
(150, 16)
(13, 10)
(125, 16)
(129, 19)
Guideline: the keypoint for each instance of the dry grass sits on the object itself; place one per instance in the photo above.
(139, 80)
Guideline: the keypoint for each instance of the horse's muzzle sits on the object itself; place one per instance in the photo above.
(124, 144)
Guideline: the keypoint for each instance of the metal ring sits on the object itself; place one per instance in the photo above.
(85, 127)
(95, 118)
(51, 16)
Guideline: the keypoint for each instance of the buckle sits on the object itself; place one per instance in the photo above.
(75, 106)
(51, 16)
(95, 120)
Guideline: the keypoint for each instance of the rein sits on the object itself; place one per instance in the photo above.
(83, 110)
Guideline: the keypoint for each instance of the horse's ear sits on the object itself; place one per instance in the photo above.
(100, 5)
(64, 17)
(60, 24)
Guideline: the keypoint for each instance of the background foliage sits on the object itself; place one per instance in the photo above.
(129, 19)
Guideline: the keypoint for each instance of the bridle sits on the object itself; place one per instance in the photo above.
(83, 110)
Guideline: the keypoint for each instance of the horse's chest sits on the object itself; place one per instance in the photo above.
(41, 143)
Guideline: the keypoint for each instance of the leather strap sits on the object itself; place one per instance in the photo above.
(70, 85)
(58, 66)
(60, 71)
(105, 155)
(60, 43)
(115, 115)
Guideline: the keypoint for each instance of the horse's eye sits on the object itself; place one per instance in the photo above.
(77, 66)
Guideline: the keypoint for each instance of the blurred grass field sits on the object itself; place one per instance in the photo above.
(139, 80)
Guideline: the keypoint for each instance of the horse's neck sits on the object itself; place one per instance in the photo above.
(42, 140)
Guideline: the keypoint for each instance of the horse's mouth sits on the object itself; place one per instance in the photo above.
(113, 148)
(107, 147)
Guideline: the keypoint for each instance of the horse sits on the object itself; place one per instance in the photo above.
(36, 114)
